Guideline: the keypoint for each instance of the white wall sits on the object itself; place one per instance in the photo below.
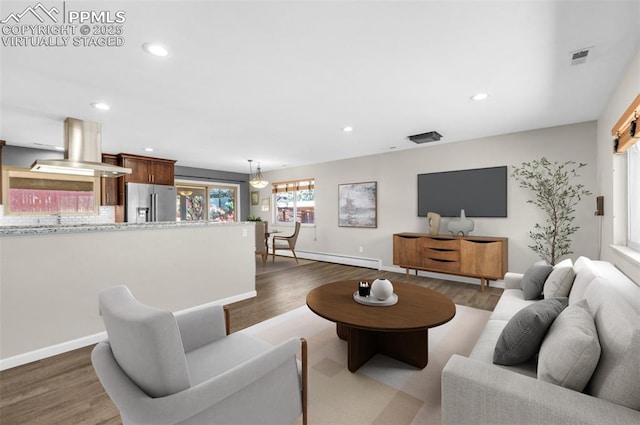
(612, 172)
(396, 173)
(50, 283)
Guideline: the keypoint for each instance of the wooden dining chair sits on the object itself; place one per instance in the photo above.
(261, 242)
(286, 242)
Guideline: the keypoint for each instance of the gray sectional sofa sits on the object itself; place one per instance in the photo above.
(593, 343)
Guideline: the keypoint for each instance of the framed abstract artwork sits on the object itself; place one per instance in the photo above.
(358, 205)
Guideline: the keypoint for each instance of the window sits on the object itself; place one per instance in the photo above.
(626, 132)
(222, 203)
(190, 202)
(32, 193)
(206, 202)
(294, 201)
(633, 198)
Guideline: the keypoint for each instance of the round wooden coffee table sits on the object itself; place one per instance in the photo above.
(399, 331)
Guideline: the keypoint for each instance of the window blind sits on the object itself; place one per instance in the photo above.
(293, 185)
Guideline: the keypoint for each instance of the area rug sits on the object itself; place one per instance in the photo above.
(384, 390)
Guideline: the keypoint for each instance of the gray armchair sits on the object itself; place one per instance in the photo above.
(160, 368)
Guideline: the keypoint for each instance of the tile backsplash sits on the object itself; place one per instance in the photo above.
(106, 216)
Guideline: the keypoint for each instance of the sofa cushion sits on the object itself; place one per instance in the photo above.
(511, 302)
(521, 338)
(559, 281)
(570, 351)
(617, 376)
(585, 273)
(533, 280)
(220, 356)
(485, 346)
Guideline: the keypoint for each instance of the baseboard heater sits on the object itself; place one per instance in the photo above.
(370, 263)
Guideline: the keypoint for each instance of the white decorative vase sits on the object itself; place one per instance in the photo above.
(381, 289)
(461, 226)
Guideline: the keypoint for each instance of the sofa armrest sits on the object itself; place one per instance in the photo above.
(512, 280)
(474, 392)
(201, 326)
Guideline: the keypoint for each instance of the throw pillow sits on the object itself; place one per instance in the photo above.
(559, 281)
(570, 352)
(521, 338)
(585, 274)
(617, 376)
(533, 280)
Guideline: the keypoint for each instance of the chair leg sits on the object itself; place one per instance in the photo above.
(264, 255)
(227, 319)
(294, 255)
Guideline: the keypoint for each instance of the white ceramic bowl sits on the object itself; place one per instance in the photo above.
(381, 289)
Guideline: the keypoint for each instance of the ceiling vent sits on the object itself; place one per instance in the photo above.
(579, 56)
(432, 136)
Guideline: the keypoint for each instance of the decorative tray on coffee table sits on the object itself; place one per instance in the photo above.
(371, 300)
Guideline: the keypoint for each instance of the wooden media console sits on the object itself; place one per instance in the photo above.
(473, 256)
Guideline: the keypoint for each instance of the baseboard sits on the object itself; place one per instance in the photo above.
(50, 351)
(63, 347)
(370, 263)
(223, 301)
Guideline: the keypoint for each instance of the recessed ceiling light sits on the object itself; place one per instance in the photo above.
(479, 96)
(155, 49)
(347, 129)
(148, 149)
(101, 105)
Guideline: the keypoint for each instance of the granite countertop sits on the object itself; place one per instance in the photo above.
(109, 227)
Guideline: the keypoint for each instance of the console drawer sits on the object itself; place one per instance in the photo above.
(442, 254)
(443, 265)
(453, 244)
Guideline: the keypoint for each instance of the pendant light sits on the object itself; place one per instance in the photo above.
(256, 180)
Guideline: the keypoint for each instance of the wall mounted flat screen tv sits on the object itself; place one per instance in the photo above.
(481, 192)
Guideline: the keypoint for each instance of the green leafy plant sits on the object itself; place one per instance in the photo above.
(556, 193)
(254, 218)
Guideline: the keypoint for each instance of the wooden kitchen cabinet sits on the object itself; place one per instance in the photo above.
(148, 170)
(109, 190)
(473, 256)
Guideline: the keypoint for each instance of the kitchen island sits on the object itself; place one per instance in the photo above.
(50, 277)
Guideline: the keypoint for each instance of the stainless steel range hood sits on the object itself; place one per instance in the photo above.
(82, 153)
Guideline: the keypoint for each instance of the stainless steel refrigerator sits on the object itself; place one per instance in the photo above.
(149, 202)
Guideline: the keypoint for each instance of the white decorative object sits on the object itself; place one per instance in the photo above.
(461, 226)
(381, 289)
(433, 219)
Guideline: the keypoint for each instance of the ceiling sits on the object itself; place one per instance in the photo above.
(276, 82)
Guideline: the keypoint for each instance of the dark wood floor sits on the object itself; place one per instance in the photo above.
(65, 390)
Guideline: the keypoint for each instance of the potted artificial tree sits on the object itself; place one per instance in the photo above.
(556, 193)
